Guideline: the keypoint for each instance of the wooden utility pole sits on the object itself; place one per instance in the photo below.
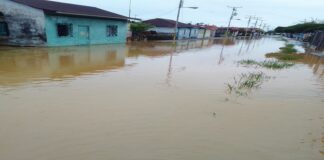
(130, 10)
(233, 14)
(255, 24)
(248, 25)
(176, 25)
(178, 16)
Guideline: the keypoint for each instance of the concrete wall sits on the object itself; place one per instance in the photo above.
(26, 25)
(184, 33)
(194, 33)
(97, 28)
(201, 33)
(163, 30)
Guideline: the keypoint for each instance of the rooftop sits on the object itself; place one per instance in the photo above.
(70, 9)
(159, 22)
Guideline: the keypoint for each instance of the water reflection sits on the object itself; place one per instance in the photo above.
(28, 64)
(23, 65)
(110, 98)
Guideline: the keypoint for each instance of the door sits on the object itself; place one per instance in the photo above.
(83, 35)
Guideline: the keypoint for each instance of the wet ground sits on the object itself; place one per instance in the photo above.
(148, 101)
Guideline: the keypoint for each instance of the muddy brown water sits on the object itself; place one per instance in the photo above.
(155, 101)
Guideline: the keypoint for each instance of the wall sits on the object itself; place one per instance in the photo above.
(201, 34)
(163, 30)
(184, 33)
(97, 30)
(26, 25)
(194, 33)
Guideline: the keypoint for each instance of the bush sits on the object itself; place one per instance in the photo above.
(301, 28)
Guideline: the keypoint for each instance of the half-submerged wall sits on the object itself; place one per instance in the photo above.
(68, 30)
(26, 25)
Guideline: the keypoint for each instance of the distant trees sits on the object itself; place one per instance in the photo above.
(138, 30)
(301, 28)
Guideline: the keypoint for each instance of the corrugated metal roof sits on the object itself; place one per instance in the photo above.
(159, 22)
(70, 9)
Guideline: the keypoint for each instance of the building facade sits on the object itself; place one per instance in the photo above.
(48, 23)
(166, 27)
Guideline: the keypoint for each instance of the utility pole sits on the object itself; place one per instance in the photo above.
(130, 9)
(255, 24)
(261, 24)
(178, 16)
(248, 25)
(176, 25)
(234, 13)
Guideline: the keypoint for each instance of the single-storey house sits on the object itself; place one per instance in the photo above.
(206, 31)
(48, 23)
(166, 27)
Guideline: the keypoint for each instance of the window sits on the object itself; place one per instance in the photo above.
(4, 29)
(112, 31)
(64, 30)
(3, 26)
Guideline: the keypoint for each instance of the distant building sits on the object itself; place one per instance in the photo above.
(48, 23)
(206, 31)
(166, 27)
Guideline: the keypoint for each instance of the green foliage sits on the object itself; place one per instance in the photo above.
(286, 56)
(289, 48)
(287, 53)
(248, 62)
(301, 28)
(276, 64)
(267, 64)
(139, 27)
(244, 83)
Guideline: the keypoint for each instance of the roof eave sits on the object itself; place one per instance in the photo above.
(86, 15)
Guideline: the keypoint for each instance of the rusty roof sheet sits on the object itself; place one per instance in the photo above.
(70, 9)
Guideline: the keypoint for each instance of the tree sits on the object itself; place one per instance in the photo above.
(138, 29)
(301, 28)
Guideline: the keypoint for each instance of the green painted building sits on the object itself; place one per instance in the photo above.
(48, 23)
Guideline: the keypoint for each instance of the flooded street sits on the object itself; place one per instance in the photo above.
(155, 101)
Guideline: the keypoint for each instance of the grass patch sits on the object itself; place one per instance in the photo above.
(289, 48)
(287, 53)
(285, 56)
(276, 64)
(267, 64)
(248, 62)
(245, 83)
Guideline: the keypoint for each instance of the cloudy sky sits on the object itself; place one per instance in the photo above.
(274, 12)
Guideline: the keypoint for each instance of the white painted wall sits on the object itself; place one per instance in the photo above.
(163, 30)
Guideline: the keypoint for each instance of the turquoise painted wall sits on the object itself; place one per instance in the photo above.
(97, 31)
(188, 33)
(183, 33)
(194, 33)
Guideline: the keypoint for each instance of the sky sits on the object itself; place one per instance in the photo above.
(273, 12)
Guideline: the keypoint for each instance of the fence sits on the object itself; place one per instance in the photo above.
(318, 40)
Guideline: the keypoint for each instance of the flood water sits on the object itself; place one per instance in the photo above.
(157, 101)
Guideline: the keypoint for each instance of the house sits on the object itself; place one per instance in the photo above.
(48, 23)
(166, 27)
(206, 31)
(210, 31)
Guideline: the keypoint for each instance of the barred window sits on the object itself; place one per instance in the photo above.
(4, 29)
(64, 30)
(112, 31)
